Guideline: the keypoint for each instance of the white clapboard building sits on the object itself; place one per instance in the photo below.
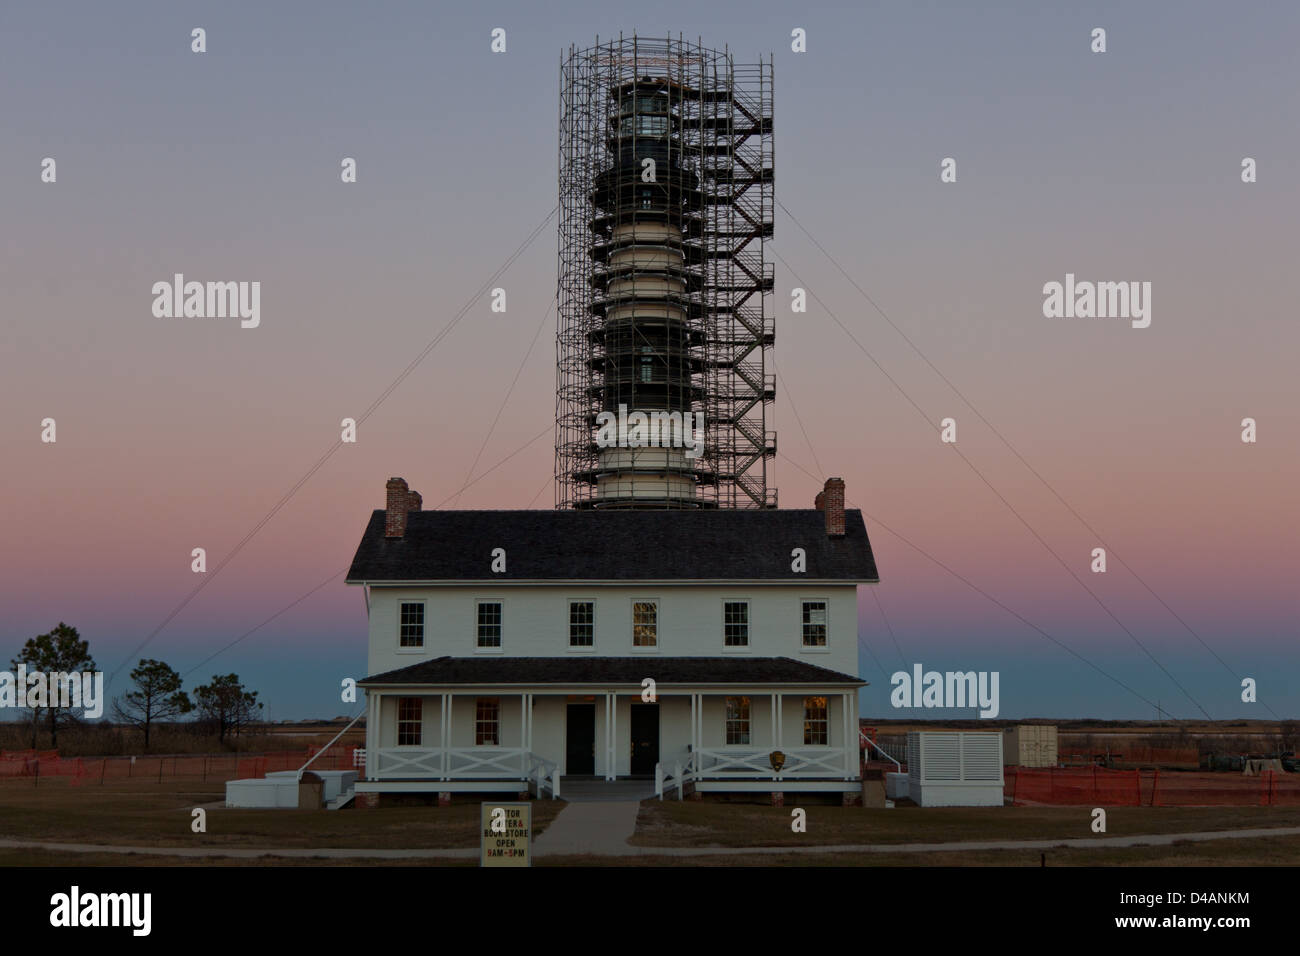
(510, 650)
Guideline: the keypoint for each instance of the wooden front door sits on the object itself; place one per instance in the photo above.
(580, 740)
(645, 739)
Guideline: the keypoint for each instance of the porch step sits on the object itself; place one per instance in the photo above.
(589, 790)
(341, 801)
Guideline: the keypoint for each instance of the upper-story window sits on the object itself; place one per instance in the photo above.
(489, 623)
(582, 623)
(814, 623)
(412, 624)
(645, 623)
(410, 721)
(735, 623)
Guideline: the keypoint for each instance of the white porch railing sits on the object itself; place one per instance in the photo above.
(673, 773)
(545, 774)
(800, 763)
(487, 762)
(453, 763)
(884, 753)
(756, 764)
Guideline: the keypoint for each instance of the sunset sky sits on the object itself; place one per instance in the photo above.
(178, 433)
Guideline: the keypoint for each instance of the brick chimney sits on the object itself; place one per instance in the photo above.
(831, 501)
(401, 500)
(820, 501)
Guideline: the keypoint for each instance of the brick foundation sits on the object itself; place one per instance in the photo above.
(778, 798)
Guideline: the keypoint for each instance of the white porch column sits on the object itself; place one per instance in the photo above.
(780, 719)
(850, 739)
(607, 736)
(699, 722)
(447, 702)
(613, 736)
(523, 734)
(772, 713)
(372, 735)
(694, 749)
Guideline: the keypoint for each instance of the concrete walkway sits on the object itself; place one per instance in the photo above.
(606, 845)
(601, 827)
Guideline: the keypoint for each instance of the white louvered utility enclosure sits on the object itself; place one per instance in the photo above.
(955, 768)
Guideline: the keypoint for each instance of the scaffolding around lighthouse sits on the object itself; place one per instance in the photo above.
(664, 294)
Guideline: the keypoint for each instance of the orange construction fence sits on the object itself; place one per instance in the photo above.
(216, 767)
(1093, 785)
(1097, 786)
(1269, 789)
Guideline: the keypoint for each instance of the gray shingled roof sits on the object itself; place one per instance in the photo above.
(612, 670)
(614, 545)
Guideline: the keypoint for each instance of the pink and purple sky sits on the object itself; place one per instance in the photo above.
(183, 433)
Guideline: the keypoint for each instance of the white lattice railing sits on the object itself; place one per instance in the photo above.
(476, 763)
(756, 764)
(409, 762)
(487, 762)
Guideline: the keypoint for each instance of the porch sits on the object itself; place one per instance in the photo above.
(509, 739)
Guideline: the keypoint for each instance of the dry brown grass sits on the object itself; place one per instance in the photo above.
(144, 813)
(707, 823)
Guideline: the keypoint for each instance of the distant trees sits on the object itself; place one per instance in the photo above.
(157, 697)
(226, 704)
(58, 653)
(1289, 735)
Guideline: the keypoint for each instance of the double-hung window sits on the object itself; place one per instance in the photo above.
(487, 722)
(489, 624)
(411, 633)
(582, 623)
(816, 726)
(735, 623)
(645, 623)
(410, 721)
(814, 623)
(737, 720)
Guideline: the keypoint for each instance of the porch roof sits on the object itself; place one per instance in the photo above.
(612, 670)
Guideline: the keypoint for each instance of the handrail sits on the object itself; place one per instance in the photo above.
(879, 751)
(329, 745)
(540, 770)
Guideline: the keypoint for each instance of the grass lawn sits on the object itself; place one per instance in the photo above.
(707, 823)
(136, 813)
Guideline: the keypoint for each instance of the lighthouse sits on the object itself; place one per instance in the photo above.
(664, 292)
